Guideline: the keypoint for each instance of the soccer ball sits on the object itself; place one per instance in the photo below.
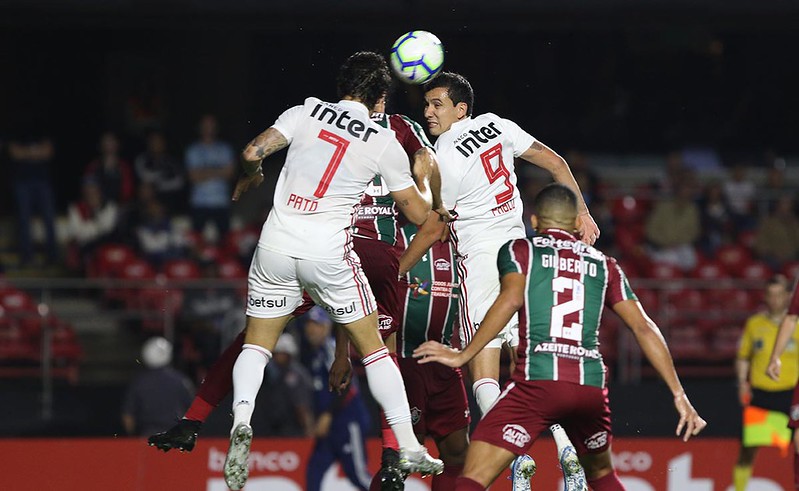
(417, 57)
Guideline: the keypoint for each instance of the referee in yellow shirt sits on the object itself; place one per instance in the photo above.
(765, 401)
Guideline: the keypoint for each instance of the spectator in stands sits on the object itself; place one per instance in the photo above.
(777, 237)
(159, 395)
(765, 401)
(739, 192)
(774, 187)
(156, 237)
(210, 164)
(290, 389)
(672, 229)
(111, 172)
(716, 218)
(159, 169)
(342, 419)
(30, 155)
(210, 314)
(92, 220)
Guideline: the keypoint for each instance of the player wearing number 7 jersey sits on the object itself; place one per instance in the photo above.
(559, 286)
(335, 150)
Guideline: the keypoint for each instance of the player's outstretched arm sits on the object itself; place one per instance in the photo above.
(509, 301)
(427, 176)
(787, 328)
(544, 157)
(262, 146)
(654, 347)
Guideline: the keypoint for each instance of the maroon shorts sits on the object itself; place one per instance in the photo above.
(525, 409)
(793, 414)
(380, 263)
(436, 396)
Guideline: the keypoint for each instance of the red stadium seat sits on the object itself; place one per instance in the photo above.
(687, 343)
(136, 270)
(109, 259)
(724, 342)
(756, 271)
(231, 269)
(241, 243)
(181, 269)
(791, 270)
(709, 270)
(734, 257)
(663, 271)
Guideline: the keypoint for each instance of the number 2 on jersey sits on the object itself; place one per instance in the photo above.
(493, 175)
(341, 147)
(557, 329)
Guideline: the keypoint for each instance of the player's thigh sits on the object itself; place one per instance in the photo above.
(339, 286)
(453, 447)
(584, 412)
(265, 332)
(485, 364)
(273, 287)
(479, 290)
(484, 462)
(364, 334)
(447, 406)
(380, 264)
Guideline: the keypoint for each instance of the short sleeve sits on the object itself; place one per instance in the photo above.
(515, 257)
(394, 168)
(745, 345)
(409, 134)
(619, 288)
(521, 139)
(289, 122)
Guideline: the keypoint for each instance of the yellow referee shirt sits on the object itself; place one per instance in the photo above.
(756, 344)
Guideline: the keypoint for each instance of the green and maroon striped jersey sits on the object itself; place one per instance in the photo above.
(431, 303)
(376, 215)
(567, 285)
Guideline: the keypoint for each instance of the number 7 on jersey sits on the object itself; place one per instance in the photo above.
(341, 147)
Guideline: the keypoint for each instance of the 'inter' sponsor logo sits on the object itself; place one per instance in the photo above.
(470, 142)
(340, 120)
(269, 304)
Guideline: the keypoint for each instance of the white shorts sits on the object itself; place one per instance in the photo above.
(479, 288)
(276, 282)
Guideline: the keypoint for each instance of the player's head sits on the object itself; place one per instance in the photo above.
(365, 77)
(555, 207)
(777, 294)
(448, 98)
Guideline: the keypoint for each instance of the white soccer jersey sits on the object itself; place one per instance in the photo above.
(477, 176)
(335, 150)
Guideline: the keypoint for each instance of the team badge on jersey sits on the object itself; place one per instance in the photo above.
(416, 415)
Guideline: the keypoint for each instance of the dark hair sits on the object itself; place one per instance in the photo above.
(779, 279)
(364, 76)
(552, 196)
(458, 88)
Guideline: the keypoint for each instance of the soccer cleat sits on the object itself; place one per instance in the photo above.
(521, 470)
(420, 461)
(392, 478)
(236, 470)
(573, 474)
(182, 436)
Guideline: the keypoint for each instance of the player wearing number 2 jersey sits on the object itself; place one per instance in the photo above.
(335, 150)
(558, 285)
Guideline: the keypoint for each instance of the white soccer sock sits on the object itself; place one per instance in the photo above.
(486, 392)
(388, 389)
(248, 374)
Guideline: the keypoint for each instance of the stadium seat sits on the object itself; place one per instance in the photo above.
(135, 271)
(109, 259)
(724, 342)
(663, 271)
(628, 210)
(708, 269)
(791, 270)
(733, 257)
(756, 270)
(181, 269)
(241, 242)
(231, 269)
(687, 343)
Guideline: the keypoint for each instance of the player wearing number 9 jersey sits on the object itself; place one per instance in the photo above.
(559, 287)
(476, 156)
(335, 150)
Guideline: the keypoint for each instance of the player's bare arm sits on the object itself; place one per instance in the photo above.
(787, 327)
(427, 176)
(546, 158)
(413, 203)
(262, 146)
(742, 367)
(509, 301)
(431, 231)
(340, 374)
(654, 347)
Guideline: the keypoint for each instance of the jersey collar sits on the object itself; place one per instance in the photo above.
(355, 106)
(559, 233)
(453, 129)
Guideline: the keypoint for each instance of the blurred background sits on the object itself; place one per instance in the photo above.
(679, 120)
